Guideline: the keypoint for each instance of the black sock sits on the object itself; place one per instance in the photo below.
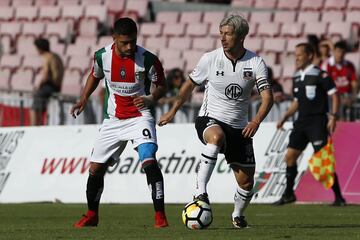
(336, 188)
(94, 189)
(291, 173)
(156, 182)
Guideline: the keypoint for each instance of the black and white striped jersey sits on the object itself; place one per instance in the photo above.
(229, 85)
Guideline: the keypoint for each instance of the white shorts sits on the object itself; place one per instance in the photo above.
(114, 134)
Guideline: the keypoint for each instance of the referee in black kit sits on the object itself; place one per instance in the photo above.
(311, 89)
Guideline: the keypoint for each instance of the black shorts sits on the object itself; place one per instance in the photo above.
(238, 150)
(42, 95)
(313, 129)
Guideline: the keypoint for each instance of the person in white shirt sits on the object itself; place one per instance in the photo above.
(230, 73)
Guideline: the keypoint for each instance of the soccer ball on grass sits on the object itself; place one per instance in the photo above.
(197, 215)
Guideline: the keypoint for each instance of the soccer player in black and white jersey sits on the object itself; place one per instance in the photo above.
(311, 88)
(230, 73)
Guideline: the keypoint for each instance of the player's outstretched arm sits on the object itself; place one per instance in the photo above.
(267, 100)
(90, 86)
(184, 94)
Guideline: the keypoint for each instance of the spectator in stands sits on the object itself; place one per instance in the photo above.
(52, 73)
(134, 80)
(343, 73)
(314, 41)
(277, 89)
(175, 79)
(325, 49)
(230, 73)
(311, 89)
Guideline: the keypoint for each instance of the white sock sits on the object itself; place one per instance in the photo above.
(241, 201)
(206, 167)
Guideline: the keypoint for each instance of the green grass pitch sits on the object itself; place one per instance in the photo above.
(124, 221)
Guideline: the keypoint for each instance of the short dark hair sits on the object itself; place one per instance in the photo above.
(307, 48)
(341, 44)
(42, 44)
(125, 26)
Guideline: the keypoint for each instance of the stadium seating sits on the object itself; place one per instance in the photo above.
(254, 44)
(288, 5)
(313, 5)
(26, 13)
(308, 16)
(22, 80)
(178, 37)
(25, 46)
(5, 75)
(335, 4)
(44, 2)
(265, 4)
(49, 13)
(6, 13)
(71, 84)
(285, 16)
(197, 30)
(180, 43)
(190, 17)
(167, 17)
(242, 3)
(11, 62)
(203, 43)
(213, 17)
(291, 29)
(33, 63)
(174, 29)
(151, 29)
(353, 5)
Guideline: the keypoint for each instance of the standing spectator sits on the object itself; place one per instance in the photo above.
(230, 73)
(311, 88)
(314, 41)
(343, 73)
(325, 49)
(175, 79)
(52, 72)
(277, 89)
(134, 80)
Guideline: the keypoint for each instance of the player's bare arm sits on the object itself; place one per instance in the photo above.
(334, 114)
(267, 100)
(290, 112)
(184, 94)
(151, 99)
(90, 86)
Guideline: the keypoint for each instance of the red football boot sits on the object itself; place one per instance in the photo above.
(91, 219)
(160, 220)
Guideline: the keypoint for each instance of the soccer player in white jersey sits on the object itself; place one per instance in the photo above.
(230, 73)
(128, 71)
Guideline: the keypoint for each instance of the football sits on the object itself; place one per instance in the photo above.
(197, 215)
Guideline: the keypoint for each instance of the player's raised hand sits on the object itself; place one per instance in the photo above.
(166, 118)
(77, 108)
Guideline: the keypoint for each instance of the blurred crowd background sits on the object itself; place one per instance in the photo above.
(177, 31)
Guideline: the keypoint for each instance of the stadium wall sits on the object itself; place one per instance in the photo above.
(51, 164)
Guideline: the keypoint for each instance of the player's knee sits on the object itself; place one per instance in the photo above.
(147, 153)
(97, 169)
(217, 138)
(248, 185)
